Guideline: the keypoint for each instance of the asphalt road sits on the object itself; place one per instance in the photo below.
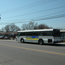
(15, 53)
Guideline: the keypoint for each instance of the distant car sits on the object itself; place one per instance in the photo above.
(6, 37)
(2, 37)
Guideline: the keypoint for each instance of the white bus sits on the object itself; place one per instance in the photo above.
(40, 36)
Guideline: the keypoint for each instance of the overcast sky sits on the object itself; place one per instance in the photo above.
(49, 12)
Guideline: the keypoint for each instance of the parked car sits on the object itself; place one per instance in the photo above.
(7, 37)
(2, 37)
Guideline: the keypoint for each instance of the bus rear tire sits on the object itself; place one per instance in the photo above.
(41, 42)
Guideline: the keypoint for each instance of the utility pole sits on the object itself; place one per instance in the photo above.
(0, 16)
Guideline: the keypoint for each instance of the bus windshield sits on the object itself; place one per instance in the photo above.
(56, 32)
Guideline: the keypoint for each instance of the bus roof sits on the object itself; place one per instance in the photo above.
(36, 30)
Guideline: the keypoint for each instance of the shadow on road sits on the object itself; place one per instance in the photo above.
(62, 45)
(57, 44)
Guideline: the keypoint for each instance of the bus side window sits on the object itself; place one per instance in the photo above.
(48, 33)
(45, 34)
(40, 33)
(33, 33)
(22, 34)
(27, 33)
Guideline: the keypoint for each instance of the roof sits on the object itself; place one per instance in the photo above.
(10, 32)
(62, 30)
(36, 30)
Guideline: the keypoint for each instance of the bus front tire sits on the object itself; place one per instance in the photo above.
(22, 40)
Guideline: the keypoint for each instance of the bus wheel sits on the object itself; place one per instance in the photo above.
(22, 40)
(41, 42)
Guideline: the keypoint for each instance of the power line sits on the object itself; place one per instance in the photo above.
(51, 14)
(29, 6)
(44, 15)
(52, 17)
(36, 12)
(40, 11)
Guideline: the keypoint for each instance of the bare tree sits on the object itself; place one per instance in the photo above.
(3, 29)
(14, 28)
(43, 26)
(11, 27)
(24, 27)
(29, 26)
(32, 25)
(7, 28)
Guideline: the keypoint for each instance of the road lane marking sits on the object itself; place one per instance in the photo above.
(34, 49)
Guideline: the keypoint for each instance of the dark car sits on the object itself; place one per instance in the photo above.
(7, 37)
